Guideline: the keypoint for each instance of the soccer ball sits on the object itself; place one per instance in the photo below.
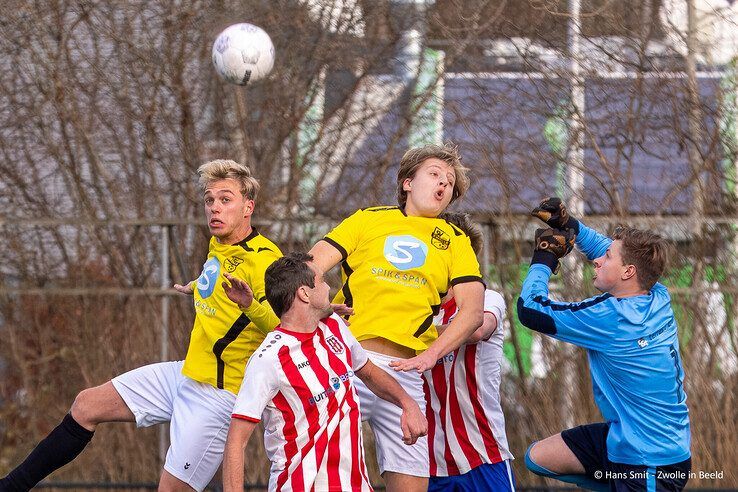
(243, 53)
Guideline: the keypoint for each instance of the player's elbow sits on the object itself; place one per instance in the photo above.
(476, 336)
(476, 319)
(489, 325)
(534, 319)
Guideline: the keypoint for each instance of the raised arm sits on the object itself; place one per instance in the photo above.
(592, 243)
(325, 255)
(260, 313)
(494, 313)
(591, 324)
(554, 213)
(470, 302)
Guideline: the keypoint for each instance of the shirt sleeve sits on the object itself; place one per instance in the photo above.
(260, 312)
(260, 385)
(359, 356)
(262, 315)
(494, 303)
(592, 243)
(591, 324)
(464, 264)
(345, 236)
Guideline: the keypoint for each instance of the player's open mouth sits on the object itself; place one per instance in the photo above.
(439, 194)
(216, 223)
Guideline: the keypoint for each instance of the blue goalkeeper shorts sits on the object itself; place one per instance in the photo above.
(589, 445)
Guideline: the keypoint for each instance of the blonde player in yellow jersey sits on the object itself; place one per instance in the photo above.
(196, 395)
(397, 263)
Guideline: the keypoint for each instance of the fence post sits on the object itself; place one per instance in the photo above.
(164, 348)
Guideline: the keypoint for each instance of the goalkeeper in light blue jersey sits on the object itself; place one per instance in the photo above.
(630, 336)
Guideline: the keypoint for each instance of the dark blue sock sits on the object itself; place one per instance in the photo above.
(61, 446)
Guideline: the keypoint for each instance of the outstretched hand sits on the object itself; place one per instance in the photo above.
(553, 212)
(238, 291)
(342, 310)
(187, 289)
(420, 363)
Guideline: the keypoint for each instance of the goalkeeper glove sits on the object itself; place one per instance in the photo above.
(552, 245)
(553, 212)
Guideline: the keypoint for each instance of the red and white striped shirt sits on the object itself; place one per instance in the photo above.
(466, 427)
(301, 383)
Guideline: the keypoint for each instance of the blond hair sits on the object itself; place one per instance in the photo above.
(414, 158)
(228, 169)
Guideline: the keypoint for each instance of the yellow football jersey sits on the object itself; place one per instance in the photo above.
(395, 270)
(223, 337)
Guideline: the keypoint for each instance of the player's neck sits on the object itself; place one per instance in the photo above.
(299, 321)
(411, 211)
(627, 290)
(238, 235)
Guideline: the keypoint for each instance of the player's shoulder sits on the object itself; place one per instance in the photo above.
(334, 324)
(602, 303)
(451, 227)
(379, 214)
(492, 297)
(373, 213)
(447, 236)
(659, 289)
(336, 333)
(258, 244)
(270, 347)
(381, 209)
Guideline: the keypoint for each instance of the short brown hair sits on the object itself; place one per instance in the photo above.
(414, 158)
(228, 169)
(283, 277)
(647, 251)
(465, 223)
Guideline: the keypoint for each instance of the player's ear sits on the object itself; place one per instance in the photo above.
(303, 294)
(249, 208)
(629, 272)
(406, 184)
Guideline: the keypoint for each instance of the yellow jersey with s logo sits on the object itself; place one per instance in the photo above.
(395, 270)
(224, 337)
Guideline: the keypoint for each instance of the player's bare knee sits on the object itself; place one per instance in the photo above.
(553, 454)
(83, 409)
(170, 487)
(545, 451)
(399, 482)
(170, 483)
(536, 453)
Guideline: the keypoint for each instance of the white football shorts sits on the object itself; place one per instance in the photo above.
(199, 414)
(393, 455)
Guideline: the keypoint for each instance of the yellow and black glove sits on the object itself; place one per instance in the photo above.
(552, 245)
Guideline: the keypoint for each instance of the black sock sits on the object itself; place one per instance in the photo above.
(61, 446)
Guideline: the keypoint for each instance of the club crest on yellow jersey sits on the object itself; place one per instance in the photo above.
(439, 239)
(232, 263)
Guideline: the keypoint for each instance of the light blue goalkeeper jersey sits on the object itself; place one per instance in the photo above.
(633, 352)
